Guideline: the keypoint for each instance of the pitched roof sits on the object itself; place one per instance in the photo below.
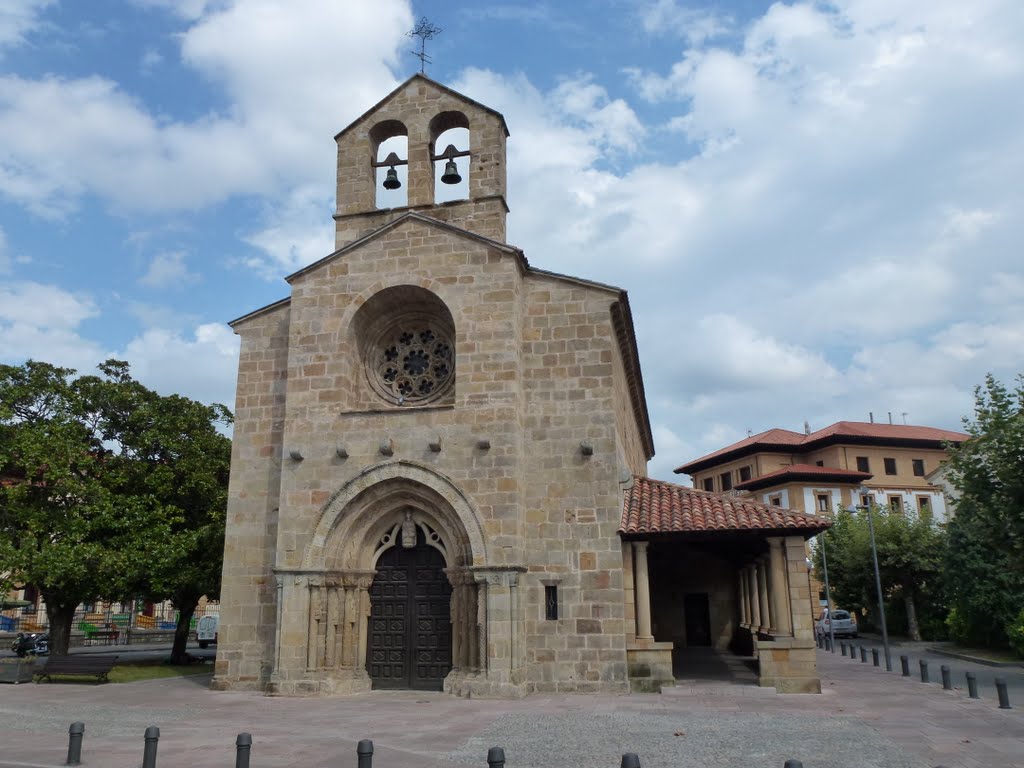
(798, 472)
(654, 506)
(855, 432)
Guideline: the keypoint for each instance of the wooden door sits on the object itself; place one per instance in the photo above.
(410, 638)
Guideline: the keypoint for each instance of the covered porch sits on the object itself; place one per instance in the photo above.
(711, 573)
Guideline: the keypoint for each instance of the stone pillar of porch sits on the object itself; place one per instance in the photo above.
(762, 596)
(742, 592)
(782, 617)
(755, 605)
(643, 592)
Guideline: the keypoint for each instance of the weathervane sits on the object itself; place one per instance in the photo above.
(424, 30)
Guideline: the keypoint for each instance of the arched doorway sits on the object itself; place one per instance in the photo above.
(410, 631)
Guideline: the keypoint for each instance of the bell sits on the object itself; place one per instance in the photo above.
(451, 173)
(391, 180)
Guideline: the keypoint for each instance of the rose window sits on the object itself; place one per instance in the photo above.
(415, 364)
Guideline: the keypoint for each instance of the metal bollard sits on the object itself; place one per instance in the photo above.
(364, 753)
(863, 655)
(842, 647)
(791, 763)
(820, 641)
(905, 665)
(496, 757)
(243, 746)
(924, 670)
(874, 657)
(972, 685)
(828, 643)
(149, 753)
(947, 678)
(630, 760)
(1004, 695)
(75, 733)
(853, 652)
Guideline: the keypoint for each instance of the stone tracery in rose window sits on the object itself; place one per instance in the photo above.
(415, 363)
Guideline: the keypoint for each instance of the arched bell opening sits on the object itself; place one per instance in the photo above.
(390, 142)
(450, 154)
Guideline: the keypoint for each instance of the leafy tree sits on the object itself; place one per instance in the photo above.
(985, 562)
(910, 550)
(110, 491)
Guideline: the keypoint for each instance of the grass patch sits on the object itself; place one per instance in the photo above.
(136, 671)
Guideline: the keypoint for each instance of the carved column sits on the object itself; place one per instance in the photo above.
(782, 616)
(643, 592)
(313, 629)
(480, 653)
(334, 620)
(742, 598)
(762, 596)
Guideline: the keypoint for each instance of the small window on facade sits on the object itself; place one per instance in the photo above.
(709, 483)
(819, 463)
(924, 505)
(896, 503)
(776, 501)
(550, 602)
(863, 465)
(726, 478)
(918, 467)
(866, 500)
(890, 466)
(824, 502)
(744, 474)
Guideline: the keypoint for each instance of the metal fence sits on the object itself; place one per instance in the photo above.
(244, 746)
(107, 623)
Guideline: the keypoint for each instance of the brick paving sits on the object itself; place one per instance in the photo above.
(866, 717)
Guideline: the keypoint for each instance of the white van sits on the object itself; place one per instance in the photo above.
(206, 631)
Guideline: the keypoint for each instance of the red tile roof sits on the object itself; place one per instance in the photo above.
(862, 433)
(654, 506)
(796, 472)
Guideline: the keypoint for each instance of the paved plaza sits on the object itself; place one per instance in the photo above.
(865, 718)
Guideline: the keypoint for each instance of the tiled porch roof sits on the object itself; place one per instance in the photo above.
(654, 506)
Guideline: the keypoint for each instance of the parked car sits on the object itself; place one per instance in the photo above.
(206, 631)
(843, 624)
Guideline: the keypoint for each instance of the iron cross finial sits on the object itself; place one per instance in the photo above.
(424, 30)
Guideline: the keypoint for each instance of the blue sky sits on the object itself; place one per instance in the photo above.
(815, 207)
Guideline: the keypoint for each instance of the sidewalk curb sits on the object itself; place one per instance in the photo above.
(975, 659)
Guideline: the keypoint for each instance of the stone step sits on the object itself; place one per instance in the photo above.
(702, 688)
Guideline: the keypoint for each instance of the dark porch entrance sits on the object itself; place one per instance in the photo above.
(410, 637)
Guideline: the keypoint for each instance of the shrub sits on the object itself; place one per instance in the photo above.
(1015, 631)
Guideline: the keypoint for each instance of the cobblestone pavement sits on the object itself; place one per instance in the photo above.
(865, 718)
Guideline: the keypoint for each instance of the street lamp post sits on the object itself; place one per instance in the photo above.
(828, 597)
(878, 587)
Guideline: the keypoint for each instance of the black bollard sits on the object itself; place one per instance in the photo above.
(75, 733)
(863, 655)
(630, 760)
(791, 763)
(364, 753)
(905, 665)
(496, 757)
(149, 753)
(1004, 695)
(853, 652)
(972, 685)
(842, 647)
(828, 644)
(924, 670)
(820, 640)
(874, 657)
(947, 678)
(243, 746)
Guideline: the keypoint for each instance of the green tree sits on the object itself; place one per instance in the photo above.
(985, 561)
(110, 491)
(910, 555)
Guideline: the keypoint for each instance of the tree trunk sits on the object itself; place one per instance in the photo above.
(186, 610)
(61, 615)
(913, 629)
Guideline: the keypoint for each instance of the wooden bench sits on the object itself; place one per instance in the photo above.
(81, 664)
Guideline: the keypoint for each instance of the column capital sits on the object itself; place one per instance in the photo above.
(775, 542)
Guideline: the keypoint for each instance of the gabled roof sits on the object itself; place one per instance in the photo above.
(432, 83)
(850, 432)
(796, 473)
(654, 506)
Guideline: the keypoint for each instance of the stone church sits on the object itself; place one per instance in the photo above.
(438, 477)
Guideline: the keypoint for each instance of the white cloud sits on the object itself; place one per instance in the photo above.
(695, 25)
(298, 232)
(41, 322)
(17, 18)
(168, 270)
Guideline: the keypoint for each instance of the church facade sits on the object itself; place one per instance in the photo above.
(438, 471)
